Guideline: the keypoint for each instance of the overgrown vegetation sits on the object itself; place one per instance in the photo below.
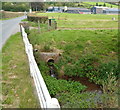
(83, 57)
(17, 87)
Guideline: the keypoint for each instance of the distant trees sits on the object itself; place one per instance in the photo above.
(37, 6)
(104, 5)
(15, 6)
(96, 4)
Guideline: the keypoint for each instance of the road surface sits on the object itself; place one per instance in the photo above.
(9, 27)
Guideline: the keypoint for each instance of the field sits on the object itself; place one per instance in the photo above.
(17, 85)
(85, 53)
(87, 71)
(65, 20)
(101, 3)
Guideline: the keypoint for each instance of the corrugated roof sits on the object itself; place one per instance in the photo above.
(112, 9)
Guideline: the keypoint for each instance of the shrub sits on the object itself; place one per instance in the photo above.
(58, 86)
(34, 18)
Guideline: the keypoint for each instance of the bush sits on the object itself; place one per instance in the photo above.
(59, 86)
(34, 18)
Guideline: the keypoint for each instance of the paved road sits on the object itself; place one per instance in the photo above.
(9, 27)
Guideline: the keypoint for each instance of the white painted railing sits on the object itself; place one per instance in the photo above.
(45, 99)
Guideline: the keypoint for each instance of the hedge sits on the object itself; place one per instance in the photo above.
(34, 18)
(8, 14)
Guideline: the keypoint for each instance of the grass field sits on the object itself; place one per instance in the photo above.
(101, 3)
(91, 54)
(17, 85)
(83, 20)
(85, 53)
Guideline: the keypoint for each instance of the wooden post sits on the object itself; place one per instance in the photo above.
(55, 25)
(38, 26)
(48, 24)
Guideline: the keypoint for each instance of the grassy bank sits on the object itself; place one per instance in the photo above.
(85, 53)
(83, 20)
(17, 85)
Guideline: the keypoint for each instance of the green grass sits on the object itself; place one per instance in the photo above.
(83, 20)
(17, 85)
(86, 53)
(90, 49)
(101, 3)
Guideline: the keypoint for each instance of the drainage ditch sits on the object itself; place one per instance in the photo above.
(91, 86)
(52, 58)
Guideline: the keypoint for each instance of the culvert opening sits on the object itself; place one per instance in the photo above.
(52, 70)
(50, 62)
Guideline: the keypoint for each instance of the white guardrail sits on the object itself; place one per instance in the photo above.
(45, 99)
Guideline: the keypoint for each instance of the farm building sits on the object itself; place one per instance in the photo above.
(104, 10)
(54, 9)
(111, 11)
(98, 10)
(69, 10)
(78, 10)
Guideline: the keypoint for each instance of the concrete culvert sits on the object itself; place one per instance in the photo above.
(50, 62)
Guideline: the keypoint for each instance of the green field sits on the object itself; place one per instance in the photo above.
(66, 20)
(17, 85)
(91, 54)
(85, 53)
(101, 3)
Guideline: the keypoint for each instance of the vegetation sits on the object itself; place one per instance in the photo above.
(101, 4)
(17, 87)
(83, 57)
(68, 20)
(15, 6)
(34, 18)
(8, 15)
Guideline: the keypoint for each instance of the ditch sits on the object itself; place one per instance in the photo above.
(91, 86)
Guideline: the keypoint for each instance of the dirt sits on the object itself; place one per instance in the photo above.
(85, 81)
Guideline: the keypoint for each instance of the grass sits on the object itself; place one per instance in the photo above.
(83, 20)
(17, 85)
(86, 53)
(101, 3)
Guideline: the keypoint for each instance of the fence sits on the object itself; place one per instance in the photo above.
(45, 99)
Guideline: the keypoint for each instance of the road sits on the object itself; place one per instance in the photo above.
(9, 27)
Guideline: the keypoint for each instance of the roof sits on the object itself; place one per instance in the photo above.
(76, 8)
(112, 9)
(100, 7)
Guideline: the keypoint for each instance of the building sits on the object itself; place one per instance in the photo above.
(104, 10)
(69, 10)
(54, 9)
(78, 10)
(111, 11)
(98, 9)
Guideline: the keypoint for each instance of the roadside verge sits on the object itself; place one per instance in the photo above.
(17, 85)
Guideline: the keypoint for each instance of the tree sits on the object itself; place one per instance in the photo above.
(104, 5)
(37, 6)
(96, 4)
(15, 7)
